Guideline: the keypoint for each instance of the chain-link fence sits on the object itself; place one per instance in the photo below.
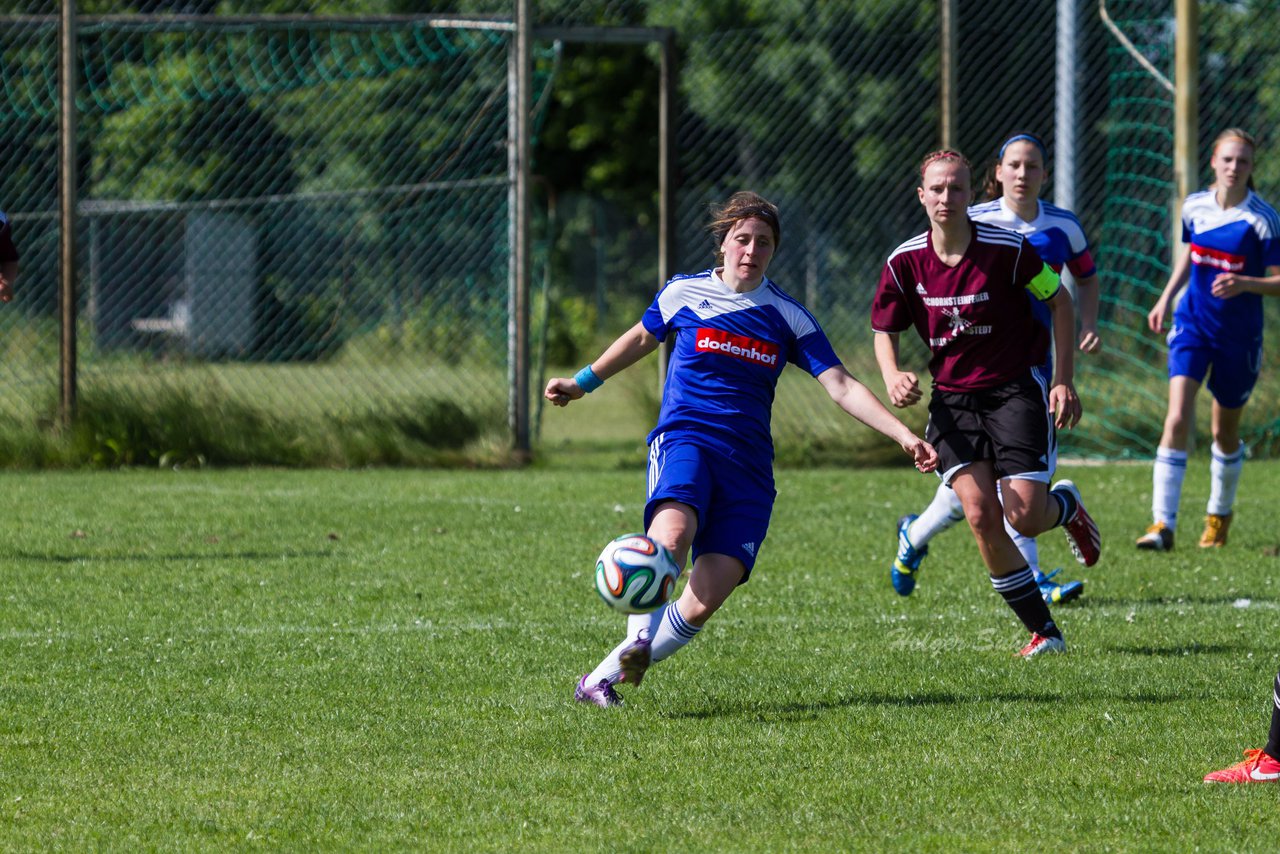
(308, 216)
(300, 216)
(826, 108)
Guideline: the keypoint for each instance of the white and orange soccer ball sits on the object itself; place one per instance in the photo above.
(635, 575)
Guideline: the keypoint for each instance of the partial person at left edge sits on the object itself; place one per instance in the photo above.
(8, 258)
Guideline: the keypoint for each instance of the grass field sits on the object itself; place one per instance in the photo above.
(384, 659)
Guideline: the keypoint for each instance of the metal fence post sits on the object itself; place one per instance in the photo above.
(67, 192)
(519, 102)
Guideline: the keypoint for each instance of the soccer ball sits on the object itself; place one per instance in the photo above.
(635, 575)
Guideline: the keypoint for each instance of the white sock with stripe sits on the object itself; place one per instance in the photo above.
(672, 632)
(943, 512)
(1166, 485)
(1224, 478)
(611, 666)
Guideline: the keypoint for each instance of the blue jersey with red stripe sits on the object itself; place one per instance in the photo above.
(728, 353)
(1055, 233)
(1242, 239)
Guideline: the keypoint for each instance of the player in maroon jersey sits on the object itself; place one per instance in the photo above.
(964, 286)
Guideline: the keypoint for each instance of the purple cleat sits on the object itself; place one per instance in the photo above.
(602, 693)
(635, 660)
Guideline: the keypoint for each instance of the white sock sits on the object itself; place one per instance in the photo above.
(1026, 545)
(611, 667)
(672, 632)
(1166, 485)
(1224, 477)
(1029, 550)
(943, 512)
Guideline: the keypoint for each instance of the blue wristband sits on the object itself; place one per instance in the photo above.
(587, 380)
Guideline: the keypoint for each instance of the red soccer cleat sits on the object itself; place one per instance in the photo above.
(1257, 767)
(1082, 532)
(1040, 645)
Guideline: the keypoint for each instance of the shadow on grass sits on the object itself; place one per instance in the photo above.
(1183, 649)
(1088, 602)
(159, 557)
(800, 711)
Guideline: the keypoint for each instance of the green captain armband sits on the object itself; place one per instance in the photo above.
(1045, 284)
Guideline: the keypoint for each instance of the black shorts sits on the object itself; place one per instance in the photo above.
(1008, 425)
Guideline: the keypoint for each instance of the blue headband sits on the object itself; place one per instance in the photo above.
(1020, 138)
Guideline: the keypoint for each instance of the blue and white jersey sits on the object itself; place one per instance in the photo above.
(1055, 233)
(728, 352)
(1243, 239)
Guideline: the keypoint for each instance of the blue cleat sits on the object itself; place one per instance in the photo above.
(1054, 593)
(906, 563)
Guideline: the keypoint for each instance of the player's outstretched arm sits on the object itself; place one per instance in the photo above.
(857, 400)
(1087, 295)
(630, 347)
(1177, 278)
(1063, 402)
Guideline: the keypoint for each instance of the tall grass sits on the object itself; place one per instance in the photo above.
(181, 427)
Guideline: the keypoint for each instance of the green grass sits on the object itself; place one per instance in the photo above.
(384, 659)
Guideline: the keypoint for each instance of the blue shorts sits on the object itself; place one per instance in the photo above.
(1232, 367)
(733, 501)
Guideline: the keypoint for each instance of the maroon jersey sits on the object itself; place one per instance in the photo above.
(976, 316)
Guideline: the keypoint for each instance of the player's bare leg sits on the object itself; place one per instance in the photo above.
(1010, 575)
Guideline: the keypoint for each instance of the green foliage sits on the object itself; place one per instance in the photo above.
(434, 423)
(298, 327)
(602, 129)
(571, 331)
(185, 426)
(176, 427)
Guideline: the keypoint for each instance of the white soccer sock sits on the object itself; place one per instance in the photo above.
(1026, 545)
(943, 512)
(672, 632)
(1224, 474)
(611, 666)
(1166, 485)
(1029, 550)
(646, 624)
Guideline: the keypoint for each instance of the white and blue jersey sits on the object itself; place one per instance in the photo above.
(1055, 233)
(1215, 337)
(1243, 239)
(713, 447)
(729, 350)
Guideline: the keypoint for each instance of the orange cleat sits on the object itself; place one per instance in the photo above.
(1215, 531)
(1257, 767)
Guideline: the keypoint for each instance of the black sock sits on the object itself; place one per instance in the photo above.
(1068, 502)
(1022, 594)
(1273, 743)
